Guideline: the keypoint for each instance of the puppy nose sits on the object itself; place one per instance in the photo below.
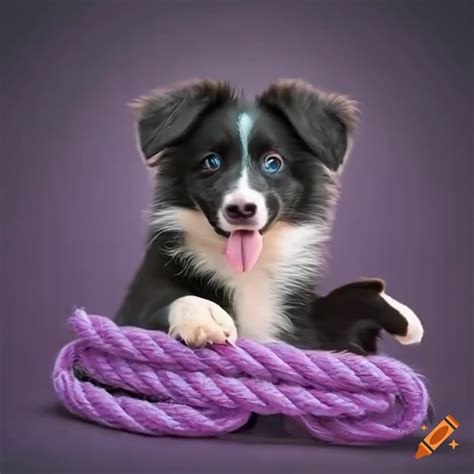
(240, 212)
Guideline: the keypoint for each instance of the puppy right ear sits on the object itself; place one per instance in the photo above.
(325, 122)
(166, 115)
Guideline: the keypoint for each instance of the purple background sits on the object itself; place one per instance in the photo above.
(74, 187)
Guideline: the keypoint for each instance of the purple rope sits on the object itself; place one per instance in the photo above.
(168, 388)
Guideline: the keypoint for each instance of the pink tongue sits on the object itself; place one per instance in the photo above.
(243, 249)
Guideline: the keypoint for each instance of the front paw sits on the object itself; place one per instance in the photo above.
(198, 321)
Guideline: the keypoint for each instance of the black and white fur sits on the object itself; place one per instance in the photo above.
(184, 284)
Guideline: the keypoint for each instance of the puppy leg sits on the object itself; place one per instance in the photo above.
(352, 316)
(198, 321)
(157, 300)
(392, 315)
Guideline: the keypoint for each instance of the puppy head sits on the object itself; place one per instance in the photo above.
(246, 165)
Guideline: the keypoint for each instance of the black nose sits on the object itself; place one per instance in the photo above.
(239, 212)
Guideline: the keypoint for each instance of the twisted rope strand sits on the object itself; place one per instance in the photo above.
(342, 398)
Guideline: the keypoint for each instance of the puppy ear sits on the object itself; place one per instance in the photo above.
(325, 122)
(166, 115)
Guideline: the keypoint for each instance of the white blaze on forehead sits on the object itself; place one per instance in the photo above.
(244, 125)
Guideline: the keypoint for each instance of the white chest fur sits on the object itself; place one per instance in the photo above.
(291, 254)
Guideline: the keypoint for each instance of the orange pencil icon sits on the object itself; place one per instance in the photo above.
(436, 437)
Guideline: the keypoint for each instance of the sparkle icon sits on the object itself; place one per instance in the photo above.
(453, 444)
(424, 427)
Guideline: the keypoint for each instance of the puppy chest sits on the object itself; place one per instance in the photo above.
(256, 308)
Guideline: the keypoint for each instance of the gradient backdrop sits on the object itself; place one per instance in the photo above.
(74, 190)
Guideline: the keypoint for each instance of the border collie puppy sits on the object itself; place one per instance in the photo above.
(243, 206)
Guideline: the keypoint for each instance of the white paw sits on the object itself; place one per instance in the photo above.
(415, 328)
(198, 321)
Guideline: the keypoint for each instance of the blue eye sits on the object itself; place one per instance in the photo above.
(272, 163)
(211, 162)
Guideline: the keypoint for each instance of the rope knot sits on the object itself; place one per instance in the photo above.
(147, 382)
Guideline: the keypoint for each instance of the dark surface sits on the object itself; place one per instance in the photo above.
(73, 188)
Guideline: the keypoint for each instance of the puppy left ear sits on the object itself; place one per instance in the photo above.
(325, 122)
(166, 115)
